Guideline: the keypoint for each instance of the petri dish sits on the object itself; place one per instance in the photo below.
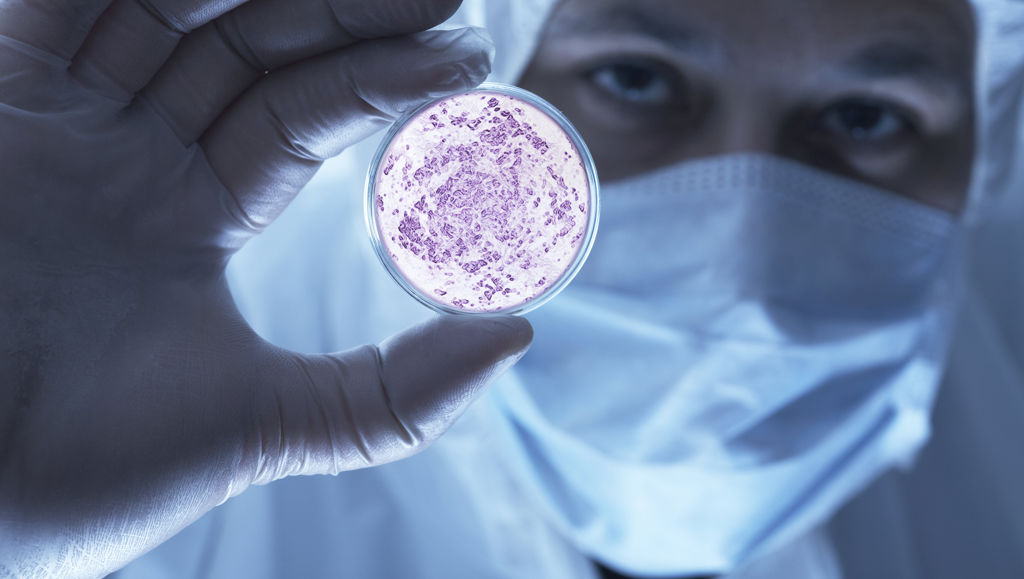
(483, 202)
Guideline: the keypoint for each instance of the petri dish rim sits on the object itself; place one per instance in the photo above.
(593, 217)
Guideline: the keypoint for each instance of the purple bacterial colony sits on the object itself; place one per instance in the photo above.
(482, 202)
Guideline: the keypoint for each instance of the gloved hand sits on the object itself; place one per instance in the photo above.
(142, 142)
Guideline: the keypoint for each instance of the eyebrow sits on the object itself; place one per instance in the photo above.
(632, 19)
(889, 59)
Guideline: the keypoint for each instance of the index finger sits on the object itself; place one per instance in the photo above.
(212, 66)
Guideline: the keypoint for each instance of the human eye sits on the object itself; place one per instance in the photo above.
(863, 121)
(639, 83)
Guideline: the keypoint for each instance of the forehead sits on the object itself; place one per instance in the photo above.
(736, 32)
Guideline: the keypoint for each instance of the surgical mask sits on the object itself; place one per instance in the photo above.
(749, 343)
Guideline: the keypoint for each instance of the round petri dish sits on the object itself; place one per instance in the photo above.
(483, 202)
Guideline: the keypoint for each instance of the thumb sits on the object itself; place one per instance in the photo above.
(376, 404)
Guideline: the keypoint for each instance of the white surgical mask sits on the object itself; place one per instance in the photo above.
(749, 343)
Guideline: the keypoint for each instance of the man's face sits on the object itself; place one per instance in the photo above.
(875, 90)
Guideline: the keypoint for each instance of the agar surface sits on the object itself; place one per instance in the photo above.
(482, 202)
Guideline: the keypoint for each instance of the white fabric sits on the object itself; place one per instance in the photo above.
(458, 510)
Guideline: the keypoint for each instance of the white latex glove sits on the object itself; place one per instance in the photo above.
(142, 142)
